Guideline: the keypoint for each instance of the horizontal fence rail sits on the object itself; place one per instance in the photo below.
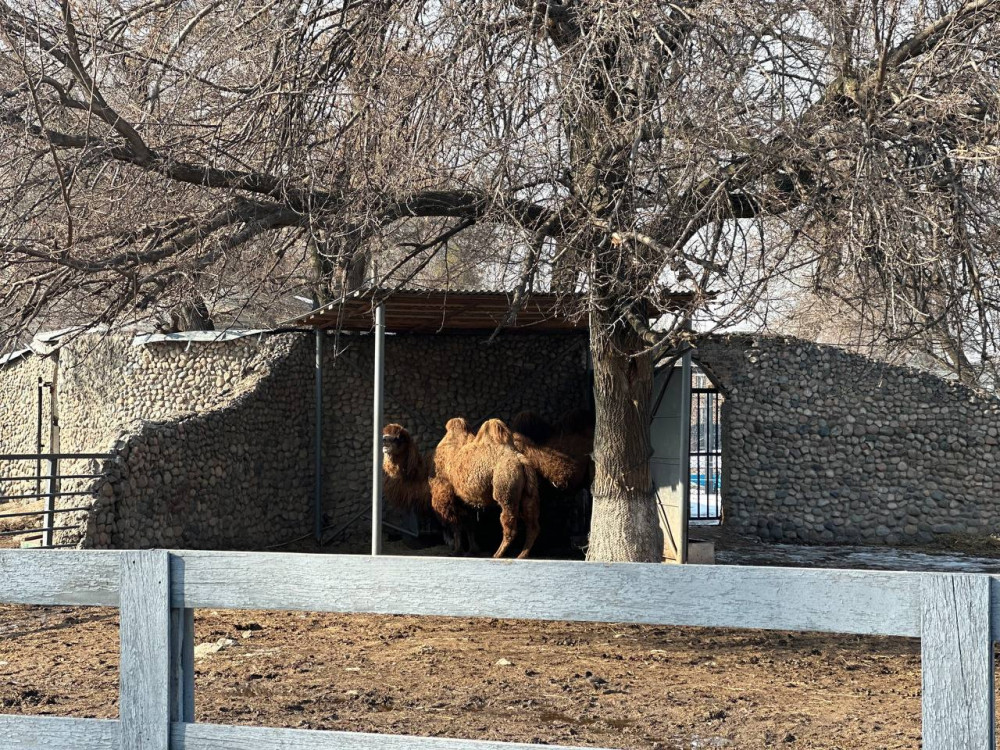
(58, 456)
(52, 492)
(956, 616)
(33, 477)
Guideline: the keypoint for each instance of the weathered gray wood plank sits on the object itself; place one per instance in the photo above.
(217, 737)
(956, 653)
(182, 664)
(144, 705)
(995, 606)
(842, 601)
(66, 577)
(49, 733)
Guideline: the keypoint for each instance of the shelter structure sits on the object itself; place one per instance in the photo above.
(487, 313)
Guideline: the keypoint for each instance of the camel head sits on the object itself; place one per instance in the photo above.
(397, 445)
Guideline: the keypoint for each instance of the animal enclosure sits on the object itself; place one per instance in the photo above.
(952, 614)
(55, 488)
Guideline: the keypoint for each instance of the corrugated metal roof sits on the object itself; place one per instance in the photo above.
(211, 337)
(14, 356)
(441, 311)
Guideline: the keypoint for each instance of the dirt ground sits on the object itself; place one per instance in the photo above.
(558, 683)
(8, 525)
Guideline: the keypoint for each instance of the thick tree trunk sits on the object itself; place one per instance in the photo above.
(624, 526)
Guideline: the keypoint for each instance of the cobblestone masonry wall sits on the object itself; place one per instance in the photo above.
(213, 441)
(825, 446)
(19, 420)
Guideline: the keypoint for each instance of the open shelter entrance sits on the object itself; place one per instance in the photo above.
(477, 314)
(686, 465)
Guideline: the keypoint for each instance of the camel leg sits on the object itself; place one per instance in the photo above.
(469, 526)
(507, 494)
(509, 523)
(532, 527)
(456, 540)
(445, 506)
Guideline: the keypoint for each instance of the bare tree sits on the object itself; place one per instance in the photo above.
(625, 149)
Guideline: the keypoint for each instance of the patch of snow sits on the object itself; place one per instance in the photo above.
(204, 649)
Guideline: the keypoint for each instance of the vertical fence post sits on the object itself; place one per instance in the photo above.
(52, 489)
(144, 702)
(318, 439)
(377, 419)
(956, 658)
(38, 439)
(182, 658)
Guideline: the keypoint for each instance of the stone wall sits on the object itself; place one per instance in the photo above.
(825, 446)
(107, 384)
(185, 422)
(19, 419)
(236, 476)
(213, 442)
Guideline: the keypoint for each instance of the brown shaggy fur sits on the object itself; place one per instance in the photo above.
(560, 469)
(456, 434)
(561, 458)
(484, 469)
(450, 511)
(453, 515)
(576, 439)
(410, 481)
(406, 473)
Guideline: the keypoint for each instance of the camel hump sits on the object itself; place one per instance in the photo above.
(459, 425)
(495, 431)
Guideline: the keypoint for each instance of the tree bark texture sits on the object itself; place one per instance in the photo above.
(624, 526)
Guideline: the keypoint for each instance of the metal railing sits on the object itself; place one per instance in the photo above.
(954, 616)
(51, 493)
(706, 455)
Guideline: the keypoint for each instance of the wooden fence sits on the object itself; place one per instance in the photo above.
(956, 616)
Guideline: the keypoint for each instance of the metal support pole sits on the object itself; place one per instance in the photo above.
(377, 431)
(709, 444)
(318, 442)
(55, 445)
(38, 438)
(50, 501)
(685, 420)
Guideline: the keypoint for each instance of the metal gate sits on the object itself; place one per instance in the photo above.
(706, 450)
(36, 524)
